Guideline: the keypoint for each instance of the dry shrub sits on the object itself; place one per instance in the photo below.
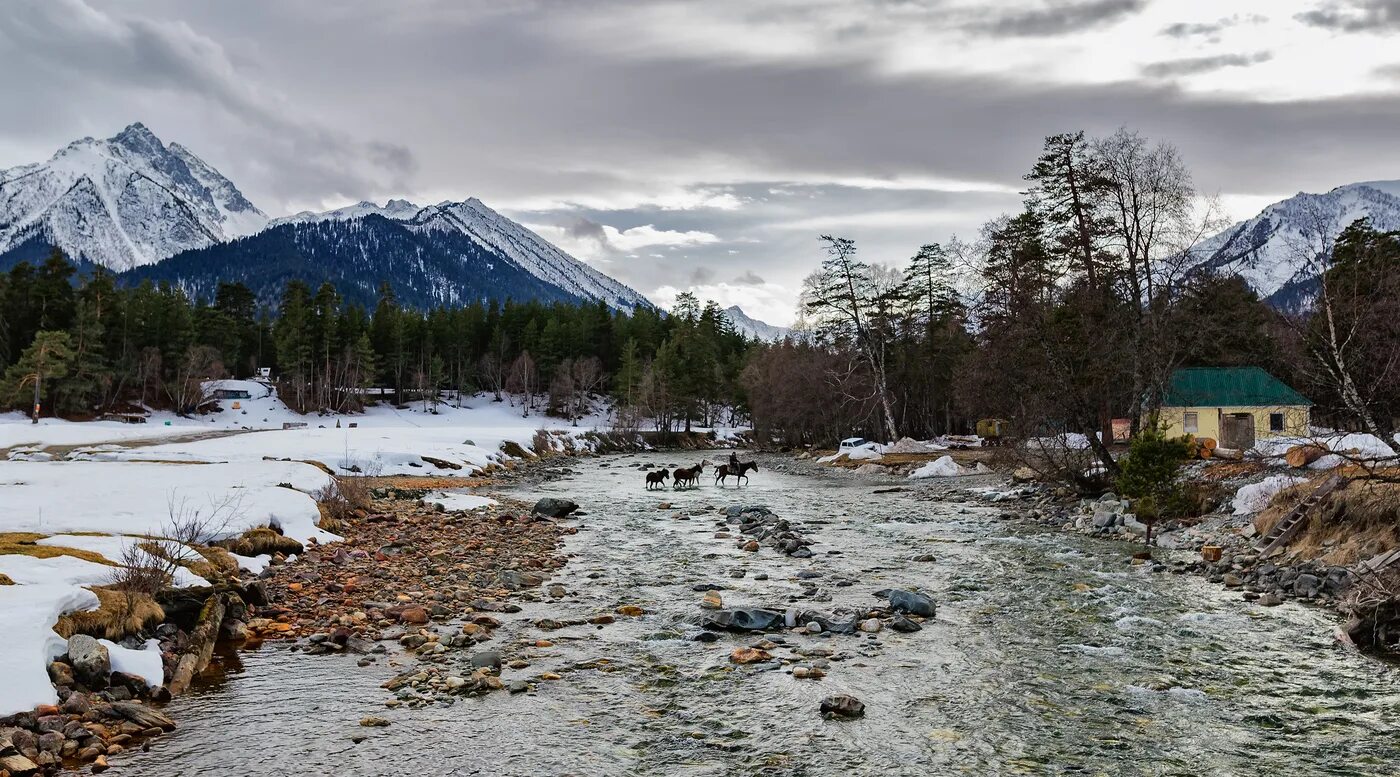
(343, 499)
(542, 443)
(5, 579)
(120, 613)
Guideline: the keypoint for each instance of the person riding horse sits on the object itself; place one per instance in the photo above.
(735, 469)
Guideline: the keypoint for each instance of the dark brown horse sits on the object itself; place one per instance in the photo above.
(725, 471)
(657, 478)
(688, 476)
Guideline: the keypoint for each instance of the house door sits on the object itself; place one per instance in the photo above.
(1237, 431)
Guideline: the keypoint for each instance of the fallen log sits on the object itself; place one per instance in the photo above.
(201, 645)
(1300, 456)
(1233, 454)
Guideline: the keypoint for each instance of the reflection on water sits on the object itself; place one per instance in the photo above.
(1050, 655)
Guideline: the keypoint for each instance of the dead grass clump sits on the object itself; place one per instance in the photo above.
(217, 563)
(118, 615)
(5, 579)
(24, 544)
(260, 540)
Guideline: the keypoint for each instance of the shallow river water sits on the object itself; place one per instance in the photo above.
(1049, 655)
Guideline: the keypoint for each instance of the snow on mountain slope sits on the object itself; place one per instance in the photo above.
(396, 210)
(500, 236)
(752, 327)
(122, 202)
(533, 253)
(1276, 250)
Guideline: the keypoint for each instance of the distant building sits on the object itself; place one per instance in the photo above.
(1233, 405)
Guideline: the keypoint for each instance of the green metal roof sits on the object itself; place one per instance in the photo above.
(1229, 387)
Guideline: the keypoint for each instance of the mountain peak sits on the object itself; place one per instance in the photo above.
(122, 202)
(752, 327)
(137, 136)
(1265, 250)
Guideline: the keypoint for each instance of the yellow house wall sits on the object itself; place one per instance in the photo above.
(1295, 420)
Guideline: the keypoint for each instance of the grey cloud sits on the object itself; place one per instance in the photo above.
(750, 278)
(1057, 18)
(1196, 65)
(585, 228)
(1355, 16)
(701, 275)
(515, 108)
(103, 55)
(1186, 30)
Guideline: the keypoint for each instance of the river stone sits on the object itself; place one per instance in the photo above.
(871, 626)
(1271, 599)
(554, 508)
(488, 659)
(911, 602)
(18, 766)
(1306, 585)
(842, 706)
(744, 619)
(904, 625)
(143, 716)
(90, 661)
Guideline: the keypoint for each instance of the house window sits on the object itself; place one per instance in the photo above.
(1275, 422)
(1192, 423)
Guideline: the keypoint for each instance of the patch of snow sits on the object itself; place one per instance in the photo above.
(1255, 497)
(145, 663)
(455, 501)
(943, 467)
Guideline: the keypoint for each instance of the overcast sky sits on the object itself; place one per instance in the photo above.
(704, 145)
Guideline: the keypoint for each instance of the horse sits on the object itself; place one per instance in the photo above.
(742, 472)
(688, 476)
(657, 478)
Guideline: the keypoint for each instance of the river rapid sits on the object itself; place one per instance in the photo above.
(1049, 655)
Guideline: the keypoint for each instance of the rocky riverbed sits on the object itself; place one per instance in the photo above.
(925, 629)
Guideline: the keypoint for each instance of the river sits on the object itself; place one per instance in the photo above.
(1049, 655)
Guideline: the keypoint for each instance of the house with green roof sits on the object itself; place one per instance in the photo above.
(1235, 406)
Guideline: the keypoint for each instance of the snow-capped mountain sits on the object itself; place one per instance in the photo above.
(497, 234)
(123, 202)
(425, 269)
(1277, 250)
(752, 327)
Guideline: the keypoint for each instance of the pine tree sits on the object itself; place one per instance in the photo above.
(47, 360)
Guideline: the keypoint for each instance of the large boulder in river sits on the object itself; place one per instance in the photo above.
(911, 602)
(744, 619)
(551, 507)
(842, 706)
(90, 661)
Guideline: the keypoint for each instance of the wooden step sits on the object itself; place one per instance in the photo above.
(1289, 525)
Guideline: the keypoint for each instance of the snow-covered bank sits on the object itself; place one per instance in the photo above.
(144, 499)
(116, 505)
